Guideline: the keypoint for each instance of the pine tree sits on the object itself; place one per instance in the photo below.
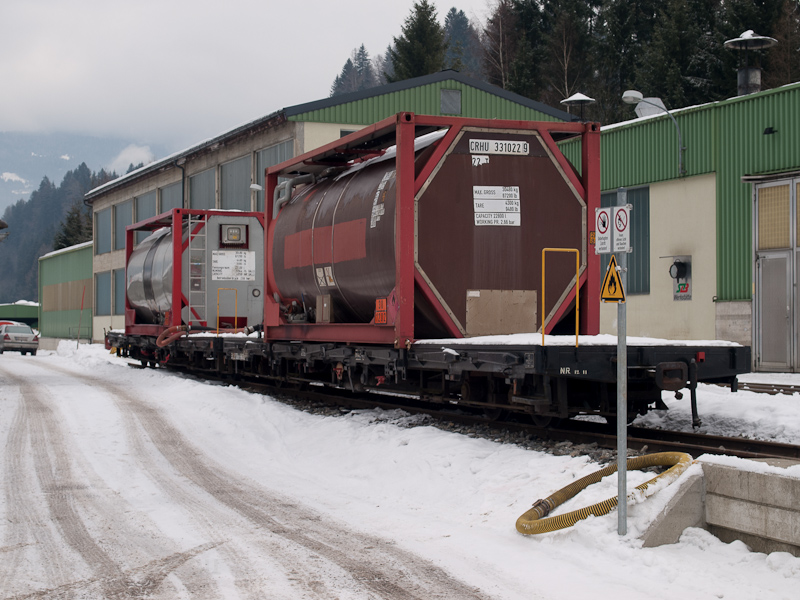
(463, 44)
(76, 227)
(421, 47)
(357, 74)
(680, 63)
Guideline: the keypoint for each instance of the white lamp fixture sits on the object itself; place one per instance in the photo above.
(635, 97)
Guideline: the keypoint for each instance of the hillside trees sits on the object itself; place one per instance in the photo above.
(357, 74)
(546, 50)
(37, 224)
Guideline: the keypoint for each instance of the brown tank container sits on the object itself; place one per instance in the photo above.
(336, 238)
(495, 199)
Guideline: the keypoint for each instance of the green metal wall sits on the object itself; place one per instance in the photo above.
(424, 99)
(25, 313)
(724, 137)
(71, 265)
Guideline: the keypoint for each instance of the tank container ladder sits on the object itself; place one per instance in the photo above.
(198, 259)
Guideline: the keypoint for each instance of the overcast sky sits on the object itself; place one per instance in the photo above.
(176, 72)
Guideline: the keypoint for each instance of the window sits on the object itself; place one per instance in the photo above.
(145, 208)
(450, 102)
(119, 291)
(234, 188)
(344, 132)
(102, 231)
(171, 197)
(202, 194)
(123, 216)
(268, 157)
(639, 258)
(102, 294)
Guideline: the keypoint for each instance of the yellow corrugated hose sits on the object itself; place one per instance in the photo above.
(533, 521)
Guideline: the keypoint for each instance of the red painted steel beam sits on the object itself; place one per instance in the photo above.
(590, 163)
(404, 231)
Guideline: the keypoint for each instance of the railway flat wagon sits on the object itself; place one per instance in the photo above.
(390, 255)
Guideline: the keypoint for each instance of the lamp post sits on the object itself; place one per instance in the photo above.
(634, 97)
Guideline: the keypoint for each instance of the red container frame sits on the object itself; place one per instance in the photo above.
(407, 279)
(174, 220)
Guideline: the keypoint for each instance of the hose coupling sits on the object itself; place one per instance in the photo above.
(542, 508)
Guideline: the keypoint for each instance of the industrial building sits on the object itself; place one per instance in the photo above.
(66, 292)
(715, 193)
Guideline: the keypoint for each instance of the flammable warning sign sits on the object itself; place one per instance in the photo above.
(612, 290)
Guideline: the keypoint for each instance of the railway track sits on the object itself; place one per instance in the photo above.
(574, 431)
(767, 388)
(577, 432)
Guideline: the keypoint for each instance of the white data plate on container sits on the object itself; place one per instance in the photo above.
(233, 265)
(517, 148)
(496, 205)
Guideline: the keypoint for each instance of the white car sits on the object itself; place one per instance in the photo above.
(19, 338)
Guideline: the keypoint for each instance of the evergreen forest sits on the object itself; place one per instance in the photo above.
(547, 50)
(53, 218)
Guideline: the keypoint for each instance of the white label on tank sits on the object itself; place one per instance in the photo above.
(233, 265)
(480, 159)
(496, 205)
(329, 276)
(499, 147)
(378, 202)
(321, 281)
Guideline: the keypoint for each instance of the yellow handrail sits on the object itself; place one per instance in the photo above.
(235, 307)
(577, 287)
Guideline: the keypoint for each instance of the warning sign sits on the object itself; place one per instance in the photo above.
(612, 285)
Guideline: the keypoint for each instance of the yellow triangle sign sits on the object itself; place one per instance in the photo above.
(612, 285)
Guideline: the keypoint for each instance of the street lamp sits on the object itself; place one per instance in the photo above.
(634, 97)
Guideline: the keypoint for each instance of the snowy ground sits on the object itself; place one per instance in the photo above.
(179, 488)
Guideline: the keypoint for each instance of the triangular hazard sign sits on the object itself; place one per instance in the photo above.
(612, 285)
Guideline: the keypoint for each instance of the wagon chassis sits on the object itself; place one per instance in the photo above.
(542, 381)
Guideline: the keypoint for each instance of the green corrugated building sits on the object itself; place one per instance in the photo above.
(65, 285)
(730, 221)
(22, 311)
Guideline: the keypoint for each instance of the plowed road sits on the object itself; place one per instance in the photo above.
(73, 526)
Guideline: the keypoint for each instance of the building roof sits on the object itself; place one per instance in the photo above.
(293, 112)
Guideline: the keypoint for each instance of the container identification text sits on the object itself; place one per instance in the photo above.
(518, 148)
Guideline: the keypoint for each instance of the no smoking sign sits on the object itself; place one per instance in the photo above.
(614, 238)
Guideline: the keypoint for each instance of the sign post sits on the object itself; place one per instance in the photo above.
(613, 236)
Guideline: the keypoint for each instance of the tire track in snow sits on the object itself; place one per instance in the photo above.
(36, 431)
(370, 564)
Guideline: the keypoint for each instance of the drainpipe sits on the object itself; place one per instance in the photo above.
(180, 164)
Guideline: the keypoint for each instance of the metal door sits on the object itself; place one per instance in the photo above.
(776, 263)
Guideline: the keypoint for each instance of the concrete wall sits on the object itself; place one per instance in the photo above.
(734, 322)
(760, 509)
(314, 135)
(682, 222)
